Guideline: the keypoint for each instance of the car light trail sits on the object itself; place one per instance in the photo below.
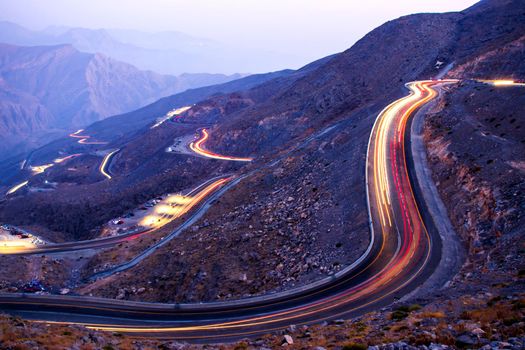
(63, 159)
(83, 139)
(105, 162)
(394, 214)
(171, 114)
(501, 82)
(17, 187)
(39, 169)
(185, 202)
(197, 147)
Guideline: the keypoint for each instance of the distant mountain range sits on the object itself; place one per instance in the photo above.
(46, 91)
(164, 52)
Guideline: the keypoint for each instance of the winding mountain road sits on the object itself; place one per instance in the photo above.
(104, 166)
(197, 196)
(198, 147)
(83, 139)
(39, 169)
(401, 255)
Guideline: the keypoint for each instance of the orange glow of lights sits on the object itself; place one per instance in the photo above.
(63, 159)
(177, 205)
(197, 147)
(501, 82)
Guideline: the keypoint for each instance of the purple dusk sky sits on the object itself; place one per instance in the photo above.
(307, 29)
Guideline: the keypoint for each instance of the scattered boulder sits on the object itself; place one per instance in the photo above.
(121, 294)
(466, 340)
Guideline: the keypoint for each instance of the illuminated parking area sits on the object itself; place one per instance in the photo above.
(174, 206)
(162, 210)
(15, 242)
(15, 245)
(166, 211)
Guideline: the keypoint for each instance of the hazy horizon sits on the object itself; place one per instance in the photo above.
(300, 31)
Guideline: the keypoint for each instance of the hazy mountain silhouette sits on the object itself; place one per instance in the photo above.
(48, 90)
(164, 52)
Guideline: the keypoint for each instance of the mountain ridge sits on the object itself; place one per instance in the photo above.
(71, 89)
(163, 52)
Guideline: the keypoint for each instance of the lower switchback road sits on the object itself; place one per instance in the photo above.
(198, 147)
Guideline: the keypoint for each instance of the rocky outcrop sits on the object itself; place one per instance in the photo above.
(480, 180)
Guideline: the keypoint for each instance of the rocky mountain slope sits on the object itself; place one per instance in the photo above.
(303, 212)
(263, 122)
(51, 89)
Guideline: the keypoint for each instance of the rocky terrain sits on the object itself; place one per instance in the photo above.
(292, 230)
(482, 180)
(120, 128)
(145, 168)
(300, 214)
(473, 321)
(481, 308)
